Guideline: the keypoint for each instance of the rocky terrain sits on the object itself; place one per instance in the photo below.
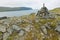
(29, 27)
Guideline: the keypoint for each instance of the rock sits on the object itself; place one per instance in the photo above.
(28, 28)
(15, 27)
(21, 32)
(10, 30)
(37, 19)
(6, 35)
(57, 29)
(43, 29)
(6, 23)
(3, 18)
(2, 28)
(47, 25)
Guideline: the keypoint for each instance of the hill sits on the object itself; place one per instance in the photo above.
(2, 9)
(55, 10)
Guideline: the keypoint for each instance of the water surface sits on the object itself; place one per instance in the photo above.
(17, 13)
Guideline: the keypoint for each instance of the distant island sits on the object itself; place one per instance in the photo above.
(2, 9)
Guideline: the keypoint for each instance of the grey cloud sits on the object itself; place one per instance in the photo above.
(30, 3)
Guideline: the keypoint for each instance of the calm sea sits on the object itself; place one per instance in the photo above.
(17, 13)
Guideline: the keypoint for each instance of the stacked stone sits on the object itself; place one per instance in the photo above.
(43, 12)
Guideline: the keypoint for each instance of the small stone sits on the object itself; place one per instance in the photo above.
(57, 28)
(44, 29)
(21, 33)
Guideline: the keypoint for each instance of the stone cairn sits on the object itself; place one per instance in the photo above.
(43, 12)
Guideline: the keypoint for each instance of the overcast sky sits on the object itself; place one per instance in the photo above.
(35, 4)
